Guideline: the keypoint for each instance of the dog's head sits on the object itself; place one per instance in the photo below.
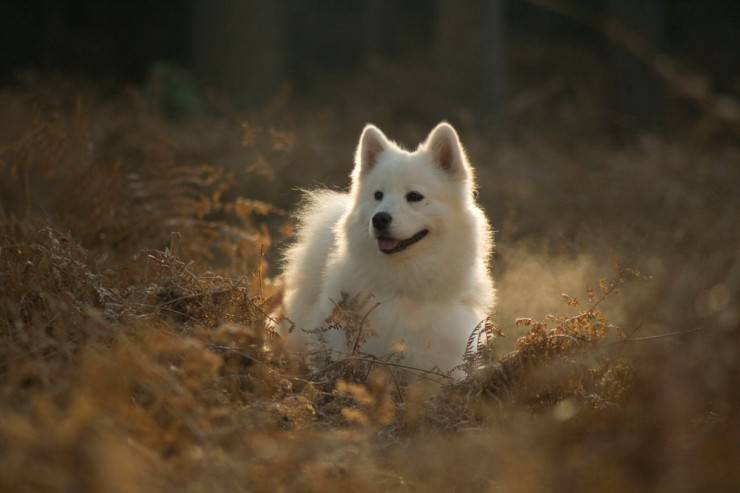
(408, 199)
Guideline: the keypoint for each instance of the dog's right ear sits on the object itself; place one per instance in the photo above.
(372, 144)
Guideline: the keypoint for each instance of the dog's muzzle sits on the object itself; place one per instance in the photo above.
(390, 245)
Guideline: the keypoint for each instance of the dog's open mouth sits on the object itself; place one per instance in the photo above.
(391, 245)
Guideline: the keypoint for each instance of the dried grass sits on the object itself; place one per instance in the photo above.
(134, 358)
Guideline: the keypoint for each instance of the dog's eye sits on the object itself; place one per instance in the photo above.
(414, 197)
(378, 195)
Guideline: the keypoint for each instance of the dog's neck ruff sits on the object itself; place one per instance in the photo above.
(394, 246)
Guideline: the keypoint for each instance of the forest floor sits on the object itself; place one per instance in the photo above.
(137, 274)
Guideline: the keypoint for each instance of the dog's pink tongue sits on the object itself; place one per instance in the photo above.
(386, 244)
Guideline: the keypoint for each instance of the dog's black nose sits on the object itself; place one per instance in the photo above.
(381, 220)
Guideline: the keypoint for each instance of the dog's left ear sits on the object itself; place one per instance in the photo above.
(447, 152)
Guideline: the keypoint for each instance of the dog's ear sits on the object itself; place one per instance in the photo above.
(372, 144)
(446, 151)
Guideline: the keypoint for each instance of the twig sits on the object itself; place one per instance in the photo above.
(604, 295)
(273, 320)
(362, 324)
(259, 268)
(634, 331)
(197, 295)
(565, 336)
(660, 336)
(383, 363)
(681, 80)
(398, 387)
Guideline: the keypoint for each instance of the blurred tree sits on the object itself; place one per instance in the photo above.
(639, 95)
(238, 45)
(472, 55)
(375, 14)
(323, 41)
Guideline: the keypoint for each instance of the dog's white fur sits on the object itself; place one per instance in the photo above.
(434, 293)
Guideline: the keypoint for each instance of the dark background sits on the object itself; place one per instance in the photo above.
(474, 54)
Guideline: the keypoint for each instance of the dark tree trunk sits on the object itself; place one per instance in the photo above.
(375, 12)
(472, 55)
(638, 93)
(237, 45)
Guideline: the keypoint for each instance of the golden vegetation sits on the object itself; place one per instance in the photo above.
(136, 354)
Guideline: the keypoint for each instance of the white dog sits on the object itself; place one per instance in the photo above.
(410, 234)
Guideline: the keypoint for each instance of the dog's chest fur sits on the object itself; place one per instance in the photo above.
(431, 333)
